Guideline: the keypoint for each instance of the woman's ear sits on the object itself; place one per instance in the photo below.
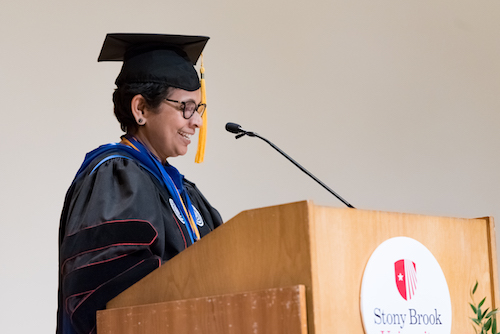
(138, 105)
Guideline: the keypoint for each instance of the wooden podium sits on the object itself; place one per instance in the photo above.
(297, 268)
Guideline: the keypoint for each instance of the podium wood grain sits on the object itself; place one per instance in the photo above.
(271, 311)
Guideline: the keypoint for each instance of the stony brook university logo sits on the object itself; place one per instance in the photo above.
(406, 278)
(392, 302)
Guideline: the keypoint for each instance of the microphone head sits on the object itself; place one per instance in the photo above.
(233, 128)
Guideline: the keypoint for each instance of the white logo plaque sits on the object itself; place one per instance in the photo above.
(404, 290)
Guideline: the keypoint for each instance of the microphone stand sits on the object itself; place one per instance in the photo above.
(234, 128)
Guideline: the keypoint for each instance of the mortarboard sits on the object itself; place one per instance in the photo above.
(159, 58)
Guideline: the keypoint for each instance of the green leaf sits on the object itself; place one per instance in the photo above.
(484, 313)
(479, 314)
(487, 325)
(493, 312)
(494, 324)
(475, 287)
(481, 302)
(473, 308)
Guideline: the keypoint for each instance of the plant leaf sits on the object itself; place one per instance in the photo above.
(475, 287)
(473, 308)
(481, 302)
(495, 311)
(487, 325)
(484, 313)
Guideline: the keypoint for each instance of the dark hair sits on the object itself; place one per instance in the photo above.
(153, 93)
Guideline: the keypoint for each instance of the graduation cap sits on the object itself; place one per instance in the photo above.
(159, 58)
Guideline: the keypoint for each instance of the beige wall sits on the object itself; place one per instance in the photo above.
(394, 104)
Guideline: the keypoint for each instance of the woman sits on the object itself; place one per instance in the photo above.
(128, 210)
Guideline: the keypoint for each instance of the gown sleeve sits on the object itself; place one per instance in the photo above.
(111, 236)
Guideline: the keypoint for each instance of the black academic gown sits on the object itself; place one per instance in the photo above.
(118, 224)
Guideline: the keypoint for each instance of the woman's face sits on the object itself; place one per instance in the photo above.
(166, 132)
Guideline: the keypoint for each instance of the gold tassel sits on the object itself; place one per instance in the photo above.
(202, 137)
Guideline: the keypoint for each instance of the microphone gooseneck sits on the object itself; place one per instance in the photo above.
(236, 129)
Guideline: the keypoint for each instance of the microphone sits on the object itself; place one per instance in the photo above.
(236, 129)
(233, 128)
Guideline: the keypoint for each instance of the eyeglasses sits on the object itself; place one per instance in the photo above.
(188, 108)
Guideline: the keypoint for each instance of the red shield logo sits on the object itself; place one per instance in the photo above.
(406, 278)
